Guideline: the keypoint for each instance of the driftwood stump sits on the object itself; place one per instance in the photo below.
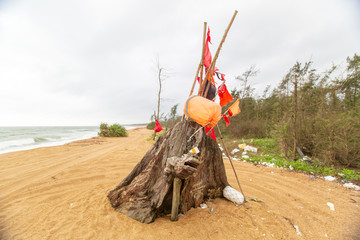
(148, 190)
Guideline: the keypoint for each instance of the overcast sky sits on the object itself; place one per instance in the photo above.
(73, 62)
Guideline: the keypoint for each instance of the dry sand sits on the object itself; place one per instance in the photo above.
(60, 193)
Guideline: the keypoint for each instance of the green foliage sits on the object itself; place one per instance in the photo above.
(327, 109)
(267, 152)
(151, 125)
(115, 130)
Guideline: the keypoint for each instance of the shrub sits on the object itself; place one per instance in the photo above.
(104, 130)
(151, 125)
(115, 130)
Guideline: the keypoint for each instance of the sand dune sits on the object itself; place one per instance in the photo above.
(60, 193)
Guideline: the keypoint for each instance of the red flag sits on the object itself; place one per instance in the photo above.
(212, 134)
(224, 95)
(222, 76)
(157, 127)
(226, 120)
(207, 54)
(234, 109)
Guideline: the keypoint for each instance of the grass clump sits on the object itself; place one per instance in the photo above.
(115, 130)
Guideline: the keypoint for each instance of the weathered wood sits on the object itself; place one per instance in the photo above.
(147, 191)
(176, 199)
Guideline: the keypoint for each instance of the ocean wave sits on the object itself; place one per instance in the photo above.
(40, 139)
(19, 138)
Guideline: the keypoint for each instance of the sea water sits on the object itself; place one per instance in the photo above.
(24, 138)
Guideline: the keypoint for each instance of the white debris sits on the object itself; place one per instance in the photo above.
(203, 205)
(297, 230)
(268, 164)
(331, 206)
(235, 150)
(330, 178)
(250, 149)
(353, 186)
(244, 153)
(291, 168)
(245, 157)
(233, 195)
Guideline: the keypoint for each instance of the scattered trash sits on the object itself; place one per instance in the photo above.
(242, 146)
(341, 174)
(71, 204)
(235, 151)
(330, 178)
(233, 195)
(326, 235)
(250, 149)
(291, 168)
(313, 177)
(297, 230)
(268, 164)
(244, 153)
(344, 180)
(257, 200)
(203, 205)
(180, 214)
(211, 210)
(195, 150)
(331, 206)
(353, 186)
(245, 157)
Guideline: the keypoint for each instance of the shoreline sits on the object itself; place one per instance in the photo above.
(63, 142)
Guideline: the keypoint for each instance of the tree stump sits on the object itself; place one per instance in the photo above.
(148, 190)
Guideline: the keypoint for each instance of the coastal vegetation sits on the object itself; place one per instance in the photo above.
(114, 130)
(317, 112)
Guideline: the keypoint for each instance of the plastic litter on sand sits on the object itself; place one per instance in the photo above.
(353, 186)
(235, 151)
(331, 206)
(233, 195)
(297, 230)
(203, 205)
(330, 178)
(250, 149)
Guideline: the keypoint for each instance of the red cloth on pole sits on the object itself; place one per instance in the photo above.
(207, 54)
(212, 134)
(226, 120)
(157, 127)
(224, 95)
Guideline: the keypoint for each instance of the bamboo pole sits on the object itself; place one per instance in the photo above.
(232, 165)
(201, 61)
(200, 67)
(212, 65)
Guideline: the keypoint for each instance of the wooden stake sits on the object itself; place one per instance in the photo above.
(212, 65)
(175, 199)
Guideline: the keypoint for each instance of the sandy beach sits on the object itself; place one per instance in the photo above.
(60, 193)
